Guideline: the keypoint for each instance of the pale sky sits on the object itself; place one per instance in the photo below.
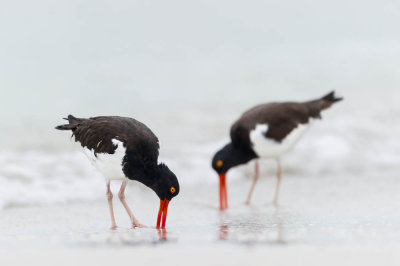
(112, 55)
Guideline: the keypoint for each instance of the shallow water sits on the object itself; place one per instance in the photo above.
(188, 78)
(340, 185)
(313, 212)
(353, 140)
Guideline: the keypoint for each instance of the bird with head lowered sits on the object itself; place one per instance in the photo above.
(266, 131)
(125, 149)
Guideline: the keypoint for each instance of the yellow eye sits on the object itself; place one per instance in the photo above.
(172, 190)
(219, 163)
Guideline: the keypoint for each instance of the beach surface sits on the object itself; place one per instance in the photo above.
(334, 221)
(188, 70)
(338, 202)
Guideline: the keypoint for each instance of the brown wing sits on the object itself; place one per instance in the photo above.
(281, 119)
(284, 118)
(97, 134)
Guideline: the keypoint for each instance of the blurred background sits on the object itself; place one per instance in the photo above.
(188, 70)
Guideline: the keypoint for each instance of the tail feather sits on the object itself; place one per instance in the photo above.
(73, 123)
(330, 97)
(316, 106)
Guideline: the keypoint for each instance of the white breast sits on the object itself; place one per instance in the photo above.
(110, 165)
(270, 148)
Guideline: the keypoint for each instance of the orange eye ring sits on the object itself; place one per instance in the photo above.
(172, 190)
(219, 163)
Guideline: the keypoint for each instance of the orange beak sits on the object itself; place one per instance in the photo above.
(223, 198)
(162, 213)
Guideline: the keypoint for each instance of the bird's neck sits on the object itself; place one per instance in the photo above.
(238, 155)
(151, 177)
(139, 168)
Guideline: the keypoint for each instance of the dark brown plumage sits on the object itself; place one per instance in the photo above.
(281, 118)
(278, 120)
(96, 133)
(136, 160)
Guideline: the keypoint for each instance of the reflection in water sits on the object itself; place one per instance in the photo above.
(162, 234)
(223, 227)
(279, 228)
(223, 232)
(137, 236)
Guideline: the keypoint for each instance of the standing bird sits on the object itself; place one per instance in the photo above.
(125, 149)
(266, 131)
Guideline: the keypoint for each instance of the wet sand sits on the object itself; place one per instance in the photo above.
(330, 221)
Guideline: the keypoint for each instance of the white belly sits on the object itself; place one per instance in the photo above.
(270, 148)
(110, 165)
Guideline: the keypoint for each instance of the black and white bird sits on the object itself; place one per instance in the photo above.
(125, 149)
(266, 131)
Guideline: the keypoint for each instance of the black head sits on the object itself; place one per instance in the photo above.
(226, 158)
(229, 156)
(167, 185)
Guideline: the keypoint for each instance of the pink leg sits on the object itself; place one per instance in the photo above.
(121, 196)
(278, 183)
(110, 205)
(253, 184)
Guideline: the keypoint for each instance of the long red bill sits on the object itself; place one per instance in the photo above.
(223, 198)
(162, 213)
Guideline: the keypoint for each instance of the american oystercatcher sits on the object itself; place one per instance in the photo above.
(266, 131)
(125, 149)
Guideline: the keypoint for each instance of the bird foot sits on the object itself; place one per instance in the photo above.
(114, 227)
(137, 224)
(247, 202)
